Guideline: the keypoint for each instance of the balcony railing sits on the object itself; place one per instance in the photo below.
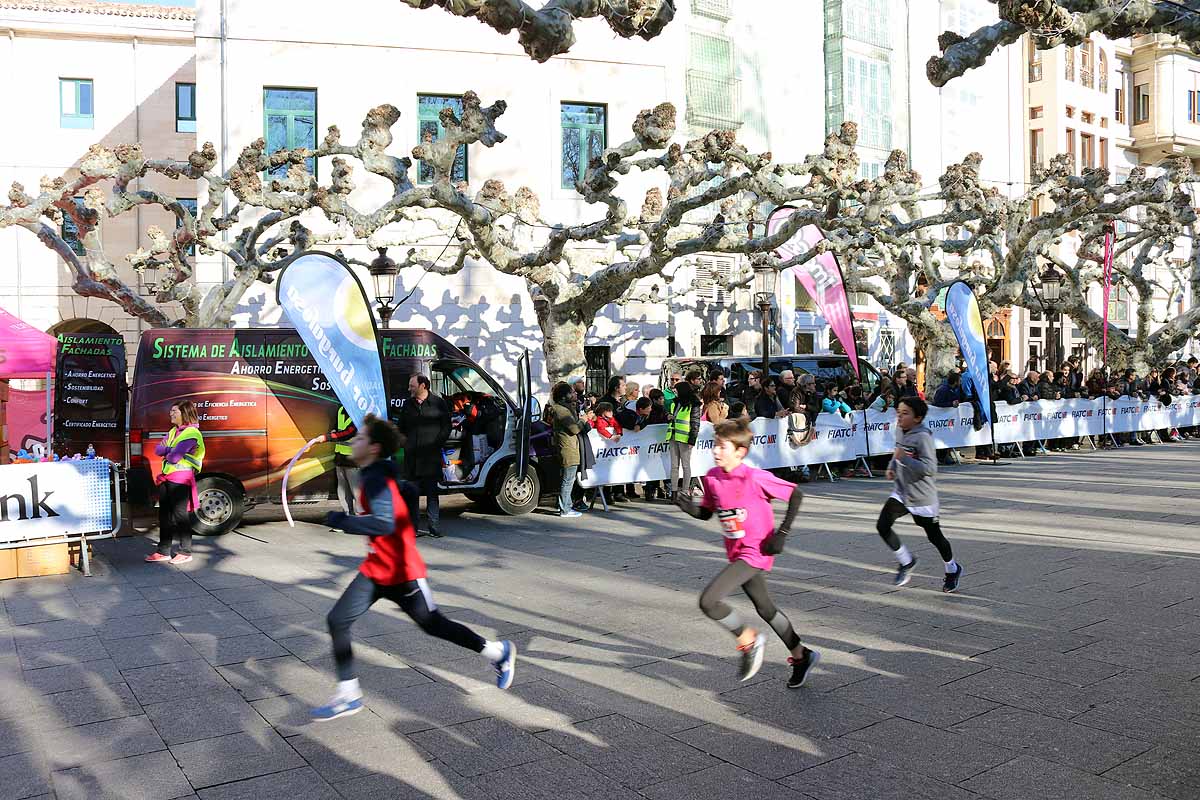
(1035, 71)
(1085, 77)
(1070, 69)
(1103, 83)
(716, 9)
(713, 100)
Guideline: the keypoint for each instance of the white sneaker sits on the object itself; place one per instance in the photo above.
(571, 513)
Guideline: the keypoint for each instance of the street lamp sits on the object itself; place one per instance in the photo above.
(765, 279)
(383, 273)
(1050, 283)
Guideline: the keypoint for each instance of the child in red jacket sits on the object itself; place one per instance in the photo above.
(393, 569)
(606, 422)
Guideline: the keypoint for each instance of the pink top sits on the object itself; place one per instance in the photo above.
(742, 501)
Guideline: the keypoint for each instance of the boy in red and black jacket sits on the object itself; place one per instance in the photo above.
(393, 569)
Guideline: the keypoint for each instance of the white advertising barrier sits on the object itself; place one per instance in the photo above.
(55, 500)
(644, 456)
(951, 427)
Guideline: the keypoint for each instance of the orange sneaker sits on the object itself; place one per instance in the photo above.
(181, 558)
(154, 558)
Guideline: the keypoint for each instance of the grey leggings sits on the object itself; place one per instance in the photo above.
(681, 456)
(753, 582)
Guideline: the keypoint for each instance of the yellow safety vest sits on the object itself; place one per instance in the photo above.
(193, 461)
(344, 422)
(681, 425)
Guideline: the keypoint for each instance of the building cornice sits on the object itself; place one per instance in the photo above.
(103, 9)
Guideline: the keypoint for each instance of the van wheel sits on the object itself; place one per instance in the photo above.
(221, 503)
(515, 497)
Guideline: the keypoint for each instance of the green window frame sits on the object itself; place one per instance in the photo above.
(70, 231)
(430, 129)
(584, 137)
(193, 208)
(76, 103)
(185, 108)
(290, 121)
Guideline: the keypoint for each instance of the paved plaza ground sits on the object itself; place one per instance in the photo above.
(1067, 666)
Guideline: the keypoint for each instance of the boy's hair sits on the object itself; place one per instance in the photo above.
(644, 402)
(603, 408)
(918, 406)
(657, 396)
(734, 431)
(383, 433)
(187, 412)
(693, 374)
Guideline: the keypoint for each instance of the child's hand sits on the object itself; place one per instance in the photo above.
(773, 544)
(891, 475)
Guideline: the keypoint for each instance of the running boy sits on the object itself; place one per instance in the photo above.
(741, 495)
(393, 569)
(914, 469)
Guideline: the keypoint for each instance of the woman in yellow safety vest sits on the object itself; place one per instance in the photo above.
(182, 452)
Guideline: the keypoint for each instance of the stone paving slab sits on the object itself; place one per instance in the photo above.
(1065, 666)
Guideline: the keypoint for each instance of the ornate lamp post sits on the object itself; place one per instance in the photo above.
(383, 274)
(765, 280)
(1051, 289)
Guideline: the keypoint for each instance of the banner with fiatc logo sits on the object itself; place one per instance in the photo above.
(326, 303)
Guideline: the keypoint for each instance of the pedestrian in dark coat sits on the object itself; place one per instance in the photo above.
(425, 422)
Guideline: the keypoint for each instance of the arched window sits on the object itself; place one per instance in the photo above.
(1102, 72)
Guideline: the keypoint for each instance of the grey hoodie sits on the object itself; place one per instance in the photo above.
(916, 472)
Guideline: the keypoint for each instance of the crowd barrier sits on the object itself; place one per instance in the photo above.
(644, 456)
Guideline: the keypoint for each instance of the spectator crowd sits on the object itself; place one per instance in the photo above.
(691, 398)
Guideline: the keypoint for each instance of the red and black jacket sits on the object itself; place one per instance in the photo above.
(392, 556)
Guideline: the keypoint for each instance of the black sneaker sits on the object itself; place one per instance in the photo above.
(952, 578)
(801, 667)
(752, 657)
(903, 572)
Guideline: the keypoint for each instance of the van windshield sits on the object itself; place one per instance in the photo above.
(451, 378)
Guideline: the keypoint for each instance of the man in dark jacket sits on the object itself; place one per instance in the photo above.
(425, 422)
(1028, 388)
(949, 394)
(768, 404)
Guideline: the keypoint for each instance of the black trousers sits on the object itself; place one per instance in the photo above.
(413, 598)
(174, 519)
(893, 510)
(753, 582)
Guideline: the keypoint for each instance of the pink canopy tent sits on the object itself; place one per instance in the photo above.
(26, 352)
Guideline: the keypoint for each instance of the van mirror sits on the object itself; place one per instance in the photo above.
(535, 408)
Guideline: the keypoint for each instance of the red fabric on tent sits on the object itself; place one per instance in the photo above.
(25, 352)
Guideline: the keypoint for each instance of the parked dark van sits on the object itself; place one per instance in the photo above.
(260, 397)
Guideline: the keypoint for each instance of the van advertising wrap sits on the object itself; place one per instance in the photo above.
(90, 395)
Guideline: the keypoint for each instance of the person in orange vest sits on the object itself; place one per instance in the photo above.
(392, 570)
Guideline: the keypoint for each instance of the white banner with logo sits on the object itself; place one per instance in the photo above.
(644, 456)
(39, 501)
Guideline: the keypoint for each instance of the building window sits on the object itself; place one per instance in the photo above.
(712, 278)
(1141, 103)
(1088, 118)
(189, 203)
(1118, 304)
(598, 368)
(1035, 61)
(1104, 153)
(866, 21)
(1071, 150)
(1035, 112)
(1086, 73)
(1035, 207)
(70, 231)
(1119, 98)
(1102, 73)
(1071, 112)
(430, 129)
(1087, 149)
(716, 9)
(76, 103)
(584, 137)
(1193, 106)
(715, 345)
(1036, 144)
(1104, 122)
(868, 95)
(1069, 63)
(185, 108)
(290, 121)
(714, 93)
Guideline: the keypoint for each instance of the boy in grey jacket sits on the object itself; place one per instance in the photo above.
(914, 469)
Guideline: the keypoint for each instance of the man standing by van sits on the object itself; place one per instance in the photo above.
(425, 422)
